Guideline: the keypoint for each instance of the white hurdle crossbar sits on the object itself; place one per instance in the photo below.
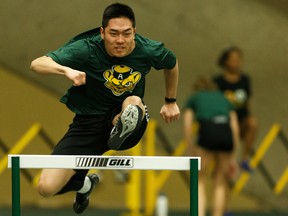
(17, 162)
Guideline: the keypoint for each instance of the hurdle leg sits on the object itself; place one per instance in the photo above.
(15, 186)
(193, 187)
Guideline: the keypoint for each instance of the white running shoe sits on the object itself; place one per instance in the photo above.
(130, 121)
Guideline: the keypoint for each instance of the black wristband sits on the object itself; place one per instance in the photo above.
(170, 100)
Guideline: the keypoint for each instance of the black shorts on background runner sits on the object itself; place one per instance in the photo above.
(215, 136)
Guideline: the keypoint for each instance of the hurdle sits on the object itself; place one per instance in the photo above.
(17, 162)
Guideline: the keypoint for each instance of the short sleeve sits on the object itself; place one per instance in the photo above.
(71, 55)
(161, 57)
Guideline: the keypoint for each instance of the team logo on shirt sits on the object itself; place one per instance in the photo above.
(120, 79)
(237, 97)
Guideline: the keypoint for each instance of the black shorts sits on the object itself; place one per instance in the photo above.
(215, 136)
(88, 135)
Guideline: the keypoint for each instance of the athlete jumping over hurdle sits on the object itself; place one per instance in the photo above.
(107, 67)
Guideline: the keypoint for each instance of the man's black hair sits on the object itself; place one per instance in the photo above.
(226, 54)
(118, 10)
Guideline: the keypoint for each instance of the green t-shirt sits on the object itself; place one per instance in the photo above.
(109, 80)
(207, 105)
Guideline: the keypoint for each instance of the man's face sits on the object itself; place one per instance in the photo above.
(234, 61)
(118, 37)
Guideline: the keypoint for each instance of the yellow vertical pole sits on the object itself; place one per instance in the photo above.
(133, 187)
(268, 140)
(151, 191)
(263, 148)
(21, 144)
(164, 175)
(283, 180)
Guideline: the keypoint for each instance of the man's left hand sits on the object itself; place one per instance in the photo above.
(170, 112)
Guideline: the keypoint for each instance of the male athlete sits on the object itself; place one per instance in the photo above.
(107, 67)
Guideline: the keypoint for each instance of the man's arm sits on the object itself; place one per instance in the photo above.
(46, 65)
(170, 111)
(188, 118)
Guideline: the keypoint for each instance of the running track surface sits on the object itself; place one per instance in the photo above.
(93, 212)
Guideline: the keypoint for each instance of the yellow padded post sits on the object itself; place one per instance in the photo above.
(163, 175)
(151, 191)
(281, 183)
(21, 144)
(133, 187)
(263, 148)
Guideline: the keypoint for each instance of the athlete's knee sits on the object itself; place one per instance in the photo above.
(219, 175)
(252, 123)
(50, 183)
(134, 100)
(46, 188)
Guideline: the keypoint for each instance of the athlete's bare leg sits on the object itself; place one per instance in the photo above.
(248, 131)
(220, 183)
(53, 180)
(206, 158)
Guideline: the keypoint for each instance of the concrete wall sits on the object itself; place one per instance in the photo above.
(196, 31)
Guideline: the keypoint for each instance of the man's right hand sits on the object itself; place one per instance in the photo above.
(46, 65)
(77, 77)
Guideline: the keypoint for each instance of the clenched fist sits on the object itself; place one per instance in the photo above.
(77, 77)
(170, 112)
